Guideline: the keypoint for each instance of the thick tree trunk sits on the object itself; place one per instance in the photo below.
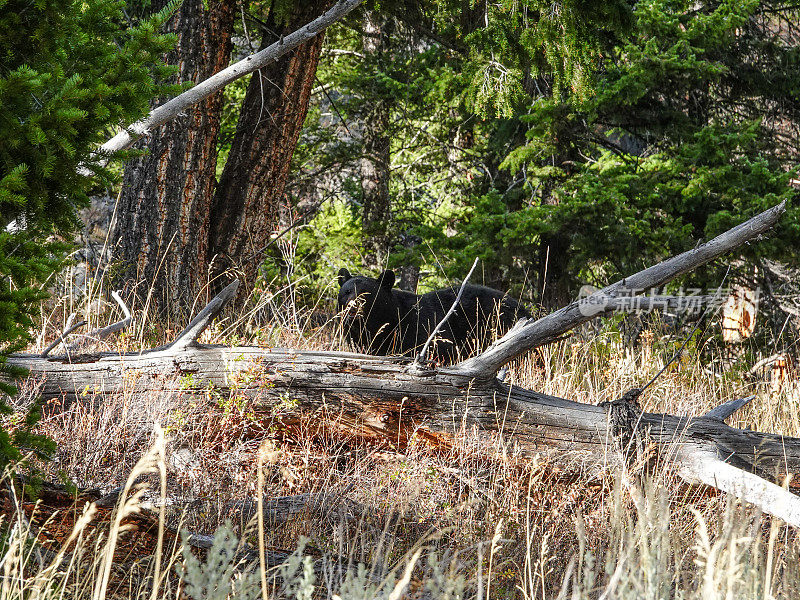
(376, 218)
(245, 208)
(162, 216)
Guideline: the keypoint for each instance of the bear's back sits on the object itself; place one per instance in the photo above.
(481, 312)
(384, 320)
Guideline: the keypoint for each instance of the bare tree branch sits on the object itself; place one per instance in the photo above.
(124, 323)
(174, 107)
(68, 328)
(535, 333)
(417, 365)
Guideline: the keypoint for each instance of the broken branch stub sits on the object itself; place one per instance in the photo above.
(536, 333)
(123, 323)
(723, 411)
(190, 335)
(69, 327)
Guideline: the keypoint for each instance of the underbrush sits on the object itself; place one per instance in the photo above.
(518, 531)
(353, 520)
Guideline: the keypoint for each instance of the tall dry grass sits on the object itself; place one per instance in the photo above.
(388, 523)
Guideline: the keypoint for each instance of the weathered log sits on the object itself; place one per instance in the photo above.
(375, 399)
(378, 398)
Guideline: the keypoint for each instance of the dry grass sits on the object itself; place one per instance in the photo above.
(474, 523)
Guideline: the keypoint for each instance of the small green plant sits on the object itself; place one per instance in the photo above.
(223, 575)
(297, 573)
(187, 382)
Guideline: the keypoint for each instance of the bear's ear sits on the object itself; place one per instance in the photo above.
(386, 279)
(344, 276)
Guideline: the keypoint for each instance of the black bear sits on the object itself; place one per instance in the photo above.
(380, 319)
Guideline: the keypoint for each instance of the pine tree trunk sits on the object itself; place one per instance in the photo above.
(162, 214)
(376, 219)
(245, 208)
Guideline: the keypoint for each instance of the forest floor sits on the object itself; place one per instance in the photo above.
(470, 524)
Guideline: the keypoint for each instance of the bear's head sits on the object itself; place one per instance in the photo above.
(365, 297)
(368, 307)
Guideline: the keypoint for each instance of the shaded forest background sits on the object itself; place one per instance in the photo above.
(562, 144)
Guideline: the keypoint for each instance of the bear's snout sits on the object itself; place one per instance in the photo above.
(352, 304)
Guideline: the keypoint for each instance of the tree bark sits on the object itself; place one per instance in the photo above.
(376, 216)
(245, 209)
(162, 215)
(171, 109)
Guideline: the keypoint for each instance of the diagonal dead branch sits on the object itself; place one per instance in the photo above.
(535, 333)
(192, 332)
(704, 466)
(171, 109)
(417, 366)
(62, 337)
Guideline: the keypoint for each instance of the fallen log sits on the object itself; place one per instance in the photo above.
(383, 399)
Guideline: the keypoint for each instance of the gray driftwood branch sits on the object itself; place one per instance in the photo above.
(204, 89)
(532, 333)
(374, 399)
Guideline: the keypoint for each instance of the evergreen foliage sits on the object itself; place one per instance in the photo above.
(684, 135)
(454, 75)
(626, 131)
(70, 72)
